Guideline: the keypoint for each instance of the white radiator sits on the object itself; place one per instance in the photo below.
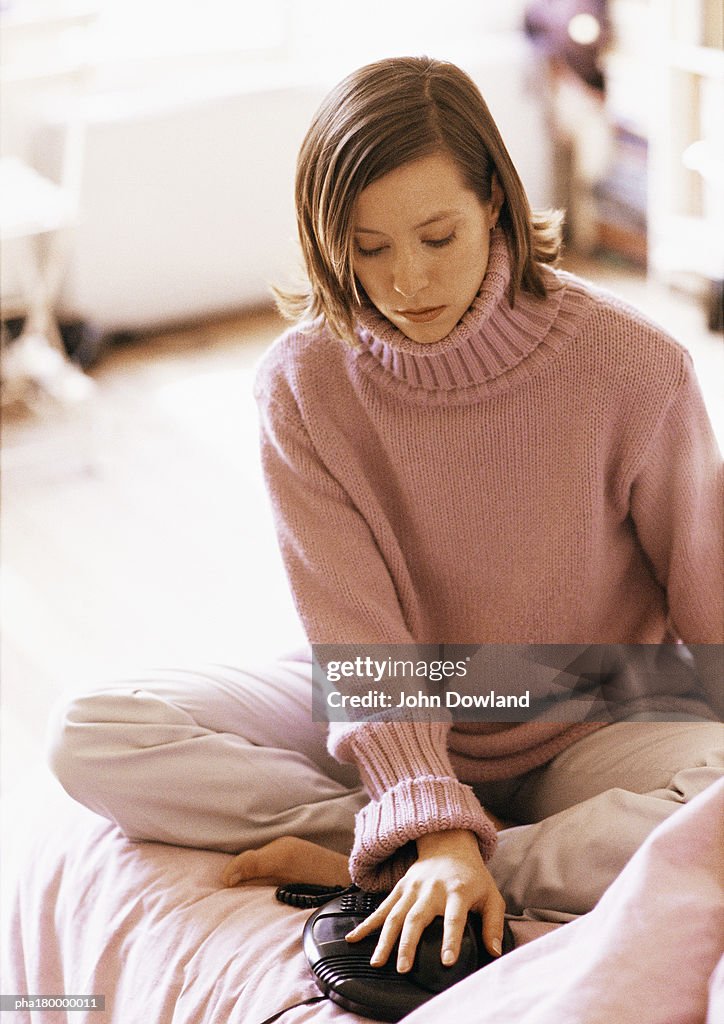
(186, 204)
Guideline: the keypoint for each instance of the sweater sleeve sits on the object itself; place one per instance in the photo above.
(345, 594)
(406, 769)
(677, 508)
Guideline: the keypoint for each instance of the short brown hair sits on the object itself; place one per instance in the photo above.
(378, 118)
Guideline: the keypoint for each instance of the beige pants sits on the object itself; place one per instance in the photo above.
(226, 759)
(592, 806)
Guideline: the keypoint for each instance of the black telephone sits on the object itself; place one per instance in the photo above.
(343, 972)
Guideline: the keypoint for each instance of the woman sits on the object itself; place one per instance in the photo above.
(462, 445)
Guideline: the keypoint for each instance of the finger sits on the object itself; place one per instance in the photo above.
(493, 923)
(456, 915)
(416, 921)
(375, 920)
(390, 931)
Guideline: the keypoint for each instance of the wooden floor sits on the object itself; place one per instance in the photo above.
(136, 531)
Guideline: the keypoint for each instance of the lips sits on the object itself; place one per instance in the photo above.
(421, 316)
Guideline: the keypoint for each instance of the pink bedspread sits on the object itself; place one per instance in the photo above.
(149, 926)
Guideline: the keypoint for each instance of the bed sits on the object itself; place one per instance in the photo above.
(149, 927)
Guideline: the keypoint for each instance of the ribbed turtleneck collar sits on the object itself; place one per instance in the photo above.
(490, 340)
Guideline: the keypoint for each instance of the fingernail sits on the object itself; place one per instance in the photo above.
(497, 947)
(448, 957)
(403, 964)
(375, 960)
(233, 879)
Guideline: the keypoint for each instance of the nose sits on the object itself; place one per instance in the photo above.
(409, 276)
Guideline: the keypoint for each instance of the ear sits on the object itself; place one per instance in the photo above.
(497, 198)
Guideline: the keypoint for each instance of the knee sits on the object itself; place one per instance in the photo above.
(96, 739)
(84, 740)
(68, 742)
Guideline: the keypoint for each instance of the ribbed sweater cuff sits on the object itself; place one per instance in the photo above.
(387, 828)
(386, 753)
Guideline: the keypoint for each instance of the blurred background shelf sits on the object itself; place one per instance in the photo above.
(686, 147)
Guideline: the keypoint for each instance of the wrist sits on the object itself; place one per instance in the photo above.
(452, 840)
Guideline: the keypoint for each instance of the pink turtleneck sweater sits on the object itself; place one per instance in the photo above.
(546, 473)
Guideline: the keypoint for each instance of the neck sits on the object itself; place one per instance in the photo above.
(490, 340)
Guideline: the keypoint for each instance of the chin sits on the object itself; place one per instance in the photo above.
(426, 334)
(429, 340)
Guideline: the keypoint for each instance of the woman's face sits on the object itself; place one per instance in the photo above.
(421, 245)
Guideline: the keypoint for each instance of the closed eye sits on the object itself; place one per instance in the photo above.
(432, 243)
(370, 252)
(439, 243)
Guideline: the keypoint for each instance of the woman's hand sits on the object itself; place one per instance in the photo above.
(448, 879)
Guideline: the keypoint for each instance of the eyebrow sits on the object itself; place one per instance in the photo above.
(439, 215)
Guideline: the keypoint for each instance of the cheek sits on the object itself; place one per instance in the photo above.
(371, 279)
(472, 266)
